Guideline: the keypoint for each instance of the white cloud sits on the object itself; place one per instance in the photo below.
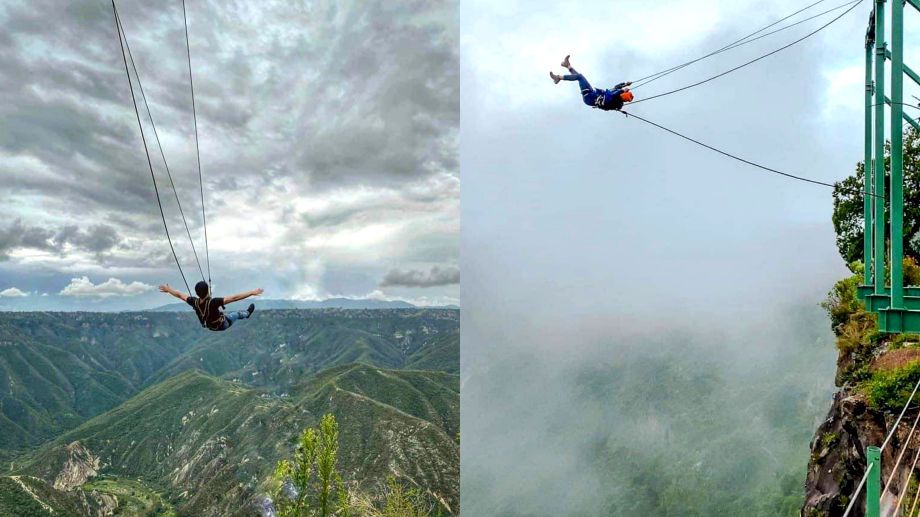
(13, 292)
(83, 287)
(420, 301)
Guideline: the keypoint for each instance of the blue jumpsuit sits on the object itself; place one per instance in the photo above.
(608, 99)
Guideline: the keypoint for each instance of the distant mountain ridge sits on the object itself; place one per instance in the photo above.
(329, 303)
(147, 408)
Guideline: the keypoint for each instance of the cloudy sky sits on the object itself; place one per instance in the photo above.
(329, 149)
(581, 227)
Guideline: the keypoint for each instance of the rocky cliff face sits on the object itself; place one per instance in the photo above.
(838, 449)
(79, 467)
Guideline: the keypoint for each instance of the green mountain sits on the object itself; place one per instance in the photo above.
(285, 347)
(329, 303)
(29, 496)
(199, 431)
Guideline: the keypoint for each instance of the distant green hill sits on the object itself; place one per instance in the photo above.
(195, 421)
(25, 496)
(330, 303)
(208, 444)
(280, 348)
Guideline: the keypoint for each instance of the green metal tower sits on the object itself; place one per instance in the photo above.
(897, 306)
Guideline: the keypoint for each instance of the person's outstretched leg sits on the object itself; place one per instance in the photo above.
(240, 315)
(588, 94)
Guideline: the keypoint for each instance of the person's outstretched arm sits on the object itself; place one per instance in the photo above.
(243, 296)
(166, 289)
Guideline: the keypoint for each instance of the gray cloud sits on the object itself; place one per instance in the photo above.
(97, 239)
(294, 100)
(593, 242)
(435, 276)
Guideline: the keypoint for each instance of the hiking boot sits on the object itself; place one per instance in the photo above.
(555, 78)
(251, 308)
(565, 62)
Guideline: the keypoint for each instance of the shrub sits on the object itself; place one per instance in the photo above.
(891, 389)
(842, 302)
(911, 271)
(398, 501)
(858, 330)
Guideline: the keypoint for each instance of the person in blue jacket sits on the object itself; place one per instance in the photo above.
(608, 99)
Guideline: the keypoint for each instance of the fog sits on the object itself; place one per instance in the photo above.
(641, 330)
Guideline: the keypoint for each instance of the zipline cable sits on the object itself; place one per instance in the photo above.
(744, 41)
(157, 138)
(191, 82)
(144, 140)
(726, 47)
(784, 47)
(743, 160)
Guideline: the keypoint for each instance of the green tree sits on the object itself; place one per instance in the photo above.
(848, 204)
(305, 485)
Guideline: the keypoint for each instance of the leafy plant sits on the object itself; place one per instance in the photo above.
(848, 204)
(857, 332)
(305, 485)
(842, 302)
(891, 389)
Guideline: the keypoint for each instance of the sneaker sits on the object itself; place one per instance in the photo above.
(555, 78)
(565, 62)
(251, 308)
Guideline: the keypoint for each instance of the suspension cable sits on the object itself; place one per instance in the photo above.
(784, 47)
(856, 492)
(901, 455)
(157, 138)
(898, 421)
(909, 473)
(745, 40)
(743, 160)
(191, 82)
(144, 140)
(730, 44)
(913, 505)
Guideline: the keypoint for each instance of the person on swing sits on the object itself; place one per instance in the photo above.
(609, 99)
(208, 308)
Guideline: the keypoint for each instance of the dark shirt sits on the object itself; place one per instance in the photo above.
(609, 99)
(208, 311)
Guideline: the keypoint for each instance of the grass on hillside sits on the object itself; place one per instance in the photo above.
(134, 497)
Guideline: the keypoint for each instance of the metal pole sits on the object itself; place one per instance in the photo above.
(868, 201)
(874, 482)
(879, 190)
(897, 154)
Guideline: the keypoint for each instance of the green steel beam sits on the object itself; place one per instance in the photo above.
(905, 116)
(897, 154)
(874, 481)
(915, 3)
(910, 73)
(868, 201)
(912, 122)
(907, 70)
(879, 144)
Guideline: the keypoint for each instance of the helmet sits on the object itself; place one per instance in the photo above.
(627, 96)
